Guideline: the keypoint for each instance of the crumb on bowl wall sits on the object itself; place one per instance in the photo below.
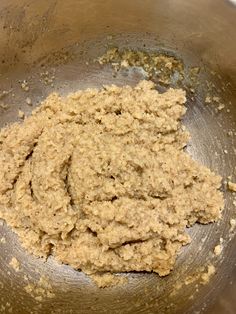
(205, 277)
(232, 223)
(25, 86)
(218, 249)
(232, 186)
(21, 114)
(14, 263)
(41, 290)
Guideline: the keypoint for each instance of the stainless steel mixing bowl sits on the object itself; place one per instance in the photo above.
(62, 38)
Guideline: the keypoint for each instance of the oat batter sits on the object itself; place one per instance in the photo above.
(99, 179)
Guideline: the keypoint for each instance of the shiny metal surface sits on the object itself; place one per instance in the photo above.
(59, 37)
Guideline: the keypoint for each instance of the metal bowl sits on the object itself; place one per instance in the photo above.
(62, 38)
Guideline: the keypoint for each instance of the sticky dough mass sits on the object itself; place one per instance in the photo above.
(100, 180)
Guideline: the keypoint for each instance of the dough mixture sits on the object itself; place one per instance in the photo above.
(99, 180)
